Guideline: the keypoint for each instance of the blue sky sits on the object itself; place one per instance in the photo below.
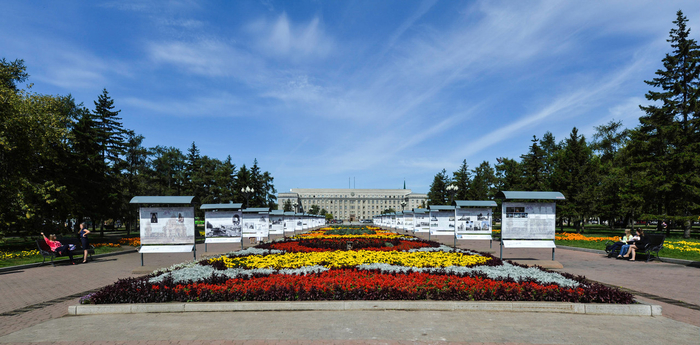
(323, 91)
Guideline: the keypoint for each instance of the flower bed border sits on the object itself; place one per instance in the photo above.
(451, 306)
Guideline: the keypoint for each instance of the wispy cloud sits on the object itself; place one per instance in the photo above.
(221, 104)
(294, 42)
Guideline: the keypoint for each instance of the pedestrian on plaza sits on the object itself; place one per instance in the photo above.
(618, 245)
(638, 244)
(84, 240)
(57, 247)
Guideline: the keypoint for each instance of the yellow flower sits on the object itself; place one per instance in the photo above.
(342, 259)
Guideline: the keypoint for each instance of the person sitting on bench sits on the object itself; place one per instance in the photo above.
(623, 241)
(57, 247)
(639, 244)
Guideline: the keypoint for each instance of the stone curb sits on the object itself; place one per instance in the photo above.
(39, 264)
(545, 307)
(665, 260)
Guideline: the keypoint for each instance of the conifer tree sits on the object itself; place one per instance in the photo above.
(534, 168)
(438, 189)
(483, 183)
(462, 178)
(666, 144)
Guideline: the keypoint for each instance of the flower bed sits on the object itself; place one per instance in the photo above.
(363, 267)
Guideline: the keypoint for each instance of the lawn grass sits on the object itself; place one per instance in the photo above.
(38, 258)
(673, 248)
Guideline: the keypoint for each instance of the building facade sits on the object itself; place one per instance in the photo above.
(352, 204)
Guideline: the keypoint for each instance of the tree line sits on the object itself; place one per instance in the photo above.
(650, 172)
(62, 163)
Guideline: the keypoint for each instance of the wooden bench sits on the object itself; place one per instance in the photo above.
(46, 251)
(654, 245)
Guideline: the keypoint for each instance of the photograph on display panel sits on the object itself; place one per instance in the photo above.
(250, 222)
(528, 220)
(445, 220)
(422, 223)
(276, 224)
(223, 224)
(473, 221)
(167, 225)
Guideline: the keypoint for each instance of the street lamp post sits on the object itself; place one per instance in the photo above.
(452, 190)
(295, 204)
(247, 191)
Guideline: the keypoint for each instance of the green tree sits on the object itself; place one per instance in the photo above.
(509, 175)
(483, 182)
(314, 209)
(533, 165)
(575, 178)
(462, 178)
(111, 134)
(134, 169)
(193, 173)
(288, 206)
(34, 135)
(608, 140)
(223, 187)
(666, 144)
(438, 189)
(167, 168)
(550, 153)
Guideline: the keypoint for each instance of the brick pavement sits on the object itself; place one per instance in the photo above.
(33, 286)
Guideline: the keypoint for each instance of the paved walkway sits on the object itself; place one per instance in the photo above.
(34, 305)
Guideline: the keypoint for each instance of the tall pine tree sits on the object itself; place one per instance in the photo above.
(666, 144)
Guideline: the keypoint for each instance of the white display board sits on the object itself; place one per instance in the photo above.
(472, 222)
(421, 222)
(528, 220)
(277, 224)
(442, 222)
(223, 224)
(167, 225)
(289, 224)
(255, 225)
(298, 224)
(408, 222)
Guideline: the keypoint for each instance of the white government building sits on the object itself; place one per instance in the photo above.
(352, 204)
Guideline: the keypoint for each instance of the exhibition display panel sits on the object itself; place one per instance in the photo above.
(166, 224)
(223, 223)
(529, 222)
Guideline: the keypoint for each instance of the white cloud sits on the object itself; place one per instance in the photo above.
(221, 104)
(210, 58)
(294, 42)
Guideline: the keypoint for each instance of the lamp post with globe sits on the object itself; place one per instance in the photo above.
(452, 190)
(247, 191)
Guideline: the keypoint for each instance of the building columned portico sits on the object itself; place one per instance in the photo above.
(352, 204)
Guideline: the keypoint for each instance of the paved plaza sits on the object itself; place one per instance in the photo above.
(34, 307)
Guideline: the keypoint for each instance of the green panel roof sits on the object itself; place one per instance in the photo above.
(277, 212)
(519, 195)
(221, 207)
(257, 209)
(161, 200)
(420, 210)
(289, 213)
(441, 207)
(474, 203)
